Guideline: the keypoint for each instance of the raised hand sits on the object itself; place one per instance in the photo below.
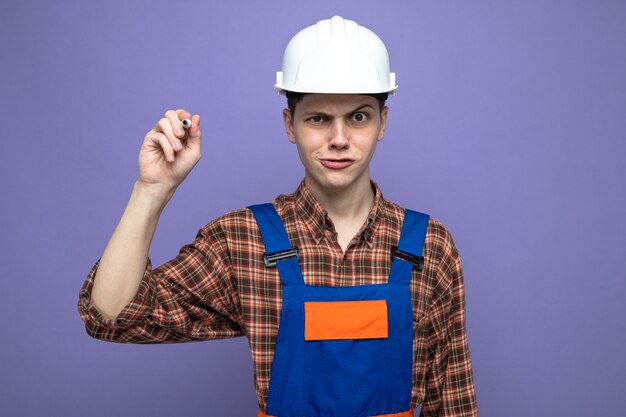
(169, 152)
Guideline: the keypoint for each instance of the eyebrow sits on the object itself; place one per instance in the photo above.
(321, 113)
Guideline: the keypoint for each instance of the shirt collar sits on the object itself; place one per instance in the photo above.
(316, 218)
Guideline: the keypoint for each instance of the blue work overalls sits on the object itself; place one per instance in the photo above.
(342, 351)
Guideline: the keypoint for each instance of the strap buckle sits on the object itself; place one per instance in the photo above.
(270, 259)
(417, 261)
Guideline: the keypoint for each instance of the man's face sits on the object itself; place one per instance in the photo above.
(336, 135)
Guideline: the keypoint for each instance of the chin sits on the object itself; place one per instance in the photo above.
(335, 183)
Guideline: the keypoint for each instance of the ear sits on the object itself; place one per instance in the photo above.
(383, 123)
(288, 120)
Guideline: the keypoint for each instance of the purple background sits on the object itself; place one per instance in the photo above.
(509, 127)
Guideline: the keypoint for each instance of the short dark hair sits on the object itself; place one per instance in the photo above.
(294, 98)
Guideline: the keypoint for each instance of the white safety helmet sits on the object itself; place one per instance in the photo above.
(336, 56)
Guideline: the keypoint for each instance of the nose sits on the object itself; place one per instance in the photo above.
(338, 136)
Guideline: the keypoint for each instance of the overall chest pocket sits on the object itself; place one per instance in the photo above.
(341, 320)
(344, 349)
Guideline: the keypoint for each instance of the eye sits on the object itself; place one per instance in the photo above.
(359, 117)
(316, 119)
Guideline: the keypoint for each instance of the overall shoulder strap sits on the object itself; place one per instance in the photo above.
(408, 254)
(413, 232)
(278, 250)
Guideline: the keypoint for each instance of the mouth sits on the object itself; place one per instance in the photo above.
(336, 163)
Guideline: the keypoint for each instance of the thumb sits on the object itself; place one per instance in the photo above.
(194, 131)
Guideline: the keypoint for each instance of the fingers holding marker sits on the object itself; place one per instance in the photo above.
(181, 130)
(165, 127)
(175, 117)
(192, 127)
(184, 122)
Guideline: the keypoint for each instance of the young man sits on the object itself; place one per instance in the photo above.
(354, 307)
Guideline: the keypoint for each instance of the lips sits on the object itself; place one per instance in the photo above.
(336, 163)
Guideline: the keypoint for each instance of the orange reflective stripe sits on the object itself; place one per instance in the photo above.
(404, 414)
(330, 320)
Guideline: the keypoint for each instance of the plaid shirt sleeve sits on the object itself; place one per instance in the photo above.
(450, 385)
(189, 298)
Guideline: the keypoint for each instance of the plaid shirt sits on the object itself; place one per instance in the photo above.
(218, 287)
